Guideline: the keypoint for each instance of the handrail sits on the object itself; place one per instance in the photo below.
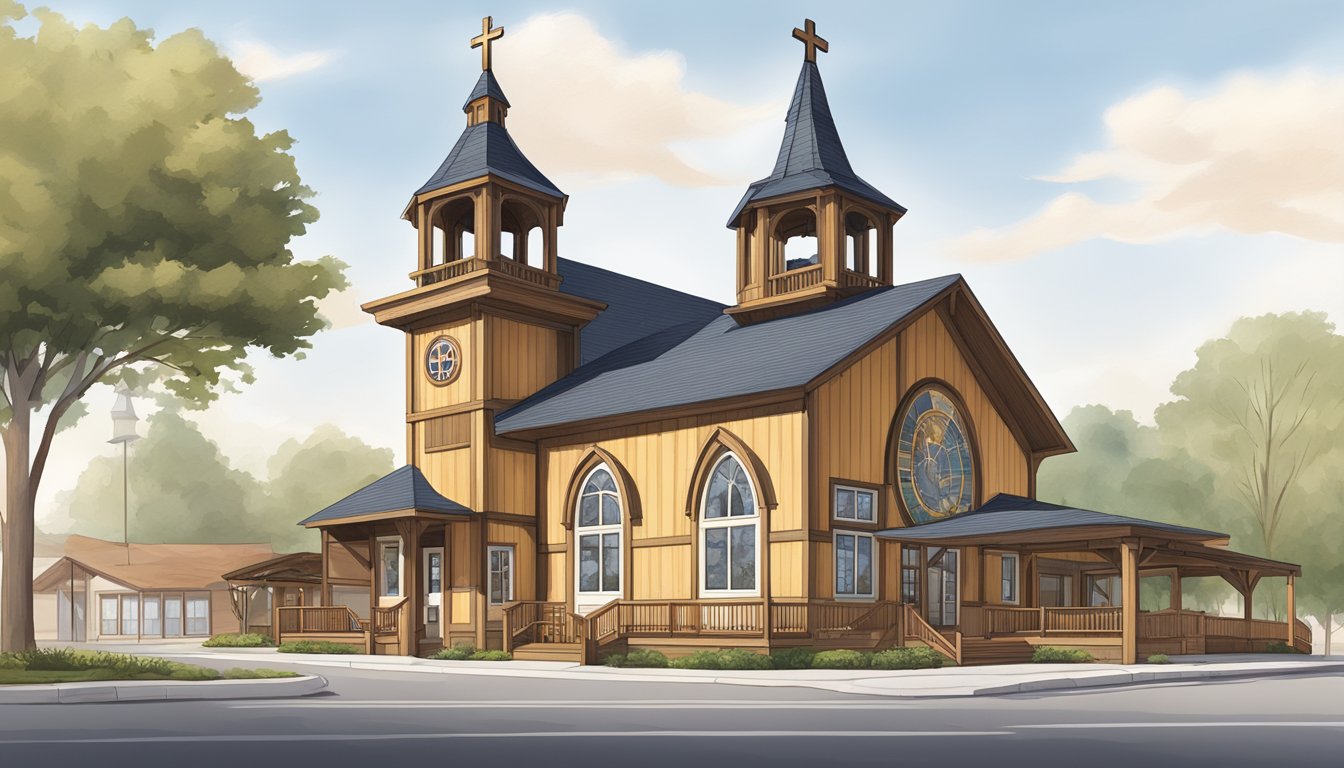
(1003, 619)
(1081, 619)
(300, 619)
(916, 628)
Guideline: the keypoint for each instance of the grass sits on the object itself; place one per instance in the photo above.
(1049, 654)
(238, 640)
(318, 646)
(64, 665)
(789, 658)
(468, 653)
(1158, 658)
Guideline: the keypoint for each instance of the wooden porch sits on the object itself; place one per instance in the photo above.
(388, 631)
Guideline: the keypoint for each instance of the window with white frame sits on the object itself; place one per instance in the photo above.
(198, 614)
(729, 531)
(389, 567)
(501, 575)
(858, 504)
(1008, 577)
(107, 614)
(598, 531)
(172, 615)
(130, 614)
(151, 622)
(855, 565)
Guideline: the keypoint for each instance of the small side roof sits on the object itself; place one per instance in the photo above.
(404, 490)
(302, 567)
(148, 567)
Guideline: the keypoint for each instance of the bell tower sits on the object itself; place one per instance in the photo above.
(812, 232)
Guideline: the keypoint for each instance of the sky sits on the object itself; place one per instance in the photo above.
(1117, 182)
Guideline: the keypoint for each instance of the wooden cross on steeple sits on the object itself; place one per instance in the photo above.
(811, 40)
(489, 35)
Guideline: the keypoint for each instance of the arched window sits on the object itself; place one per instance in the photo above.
(598, 535)
(729, 532)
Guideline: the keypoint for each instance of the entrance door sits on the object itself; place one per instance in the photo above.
(434, 592)
(943, 599)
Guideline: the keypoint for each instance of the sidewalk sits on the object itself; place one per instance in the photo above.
(950, 681)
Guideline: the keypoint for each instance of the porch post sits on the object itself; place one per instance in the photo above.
(1129, 602)
(1176, 590)
(1246, 597)
(326, 567)
(1292, 610)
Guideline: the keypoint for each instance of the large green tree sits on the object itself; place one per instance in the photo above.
(144, 235)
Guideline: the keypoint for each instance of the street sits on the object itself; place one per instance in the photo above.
(367, 718)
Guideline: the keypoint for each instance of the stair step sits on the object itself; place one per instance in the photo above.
(549, 652)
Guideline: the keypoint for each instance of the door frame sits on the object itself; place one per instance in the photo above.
(928, 584)
(433, 599)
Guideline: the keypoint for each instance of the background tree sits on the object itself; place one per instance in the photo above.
(144, 231)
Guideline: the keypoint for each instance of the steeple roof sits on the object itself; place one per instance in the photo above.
(811, 155)
(486, 148)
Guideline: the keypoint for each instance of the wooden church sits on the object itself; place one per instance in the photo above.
(599, 463)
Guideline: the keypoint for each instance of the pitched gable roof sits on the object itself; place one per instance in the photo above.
(487, 148)
(404, 489)
(151, 566)
(811, 154)
(696, 363)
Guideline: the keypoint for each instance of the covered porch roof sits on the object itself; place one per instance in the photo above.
(405, 492)
(1037, 527)
(294, 568)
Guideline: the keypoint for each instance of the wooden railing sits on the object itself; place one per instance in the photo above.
(851, 279)
(727, 618)
(526, 273)
(1082, 620)
(392, 621)
(1000, 620)
(1247, 629)
(533, 621)
(915, 628)
(448, 271)
(1165, 625)
(1301, 636)
(795, 279)
(440, 273)
(317, 619)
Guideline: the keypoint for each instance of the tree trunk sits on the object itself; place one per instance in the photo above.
(16, 581)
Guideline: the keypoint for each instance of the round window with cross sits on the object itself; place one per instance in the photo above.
(442, 360)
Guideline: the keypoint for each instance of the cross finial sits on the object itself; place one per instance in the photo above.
(487, 37)
(810, 39)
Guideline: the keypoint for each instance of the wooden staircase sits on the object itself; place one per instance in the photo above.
(995, 650)
(572, 652)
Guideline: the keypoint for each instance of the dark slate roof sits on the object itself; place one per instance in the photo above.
(635, 308)
(1005, 514)
(405, 488)
(486, 86)
(699, 362)
(811, 155)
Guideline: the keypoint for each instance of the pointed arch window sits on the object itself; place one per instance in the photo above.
(598, 533)
(729, 532)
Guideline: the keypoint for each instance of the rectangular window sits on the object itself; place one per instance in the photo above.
(198, 615)
(435, 573)
(150, 621)
(389, 567)
(854, 564)
(911, 565)
(855, 504)
(130, 614)
(501, 575)
(107, 615)
(172, 616)
(1056, 591)
(1103, 590)
(1008, 577)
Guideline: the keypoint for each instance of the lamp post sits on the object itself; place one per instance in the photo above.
(123, 431)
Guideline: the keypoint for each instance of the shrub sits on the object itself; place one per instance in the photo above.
(731, 658)
(646, 658)
(456, 653)
(257, 674)
(1048, 654)
(491, 656)
(907, 658)
(238, 640)
(840, 660)
(1279, 646)
(793, 658)
(1159, 658)
(317, 646)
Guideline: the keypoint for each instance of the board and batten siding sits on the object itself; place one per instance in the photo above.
(660, 458)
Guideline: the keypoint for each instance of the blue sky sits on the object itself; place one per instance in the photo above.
(1153, 236)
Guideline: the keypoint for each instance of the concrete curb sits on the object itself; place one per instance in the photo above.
(952, 682)
(161, 690)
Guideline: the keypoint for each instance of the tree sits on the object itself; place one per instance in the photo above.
(144, 234)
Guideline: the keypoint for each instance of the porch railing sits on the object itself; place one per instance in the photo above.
(1002, 620)
(1082, 621)
(916, 628)
(317, 620)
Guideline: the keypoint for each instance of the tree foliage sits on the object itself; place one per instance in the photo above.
(144, 235)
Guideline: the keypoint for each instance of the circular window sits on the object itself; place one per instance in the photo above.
(442, 360)
(934, 467)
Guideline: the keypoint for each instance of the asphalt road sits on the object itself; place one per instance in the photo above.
(374, 719)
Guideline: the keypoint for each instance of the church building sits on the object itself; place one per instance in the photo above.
(599, 463)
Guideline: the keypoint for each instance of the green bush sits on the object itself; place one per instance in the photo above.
(907, 658)
(256, 674)
(1049, 654)
(491, 656)
(729, 658)
(238, 640)
(1279, 646)
(840, 659)
(793, 658)
(317, 646)
(1159, 658)
(645, 658)
(456, 653)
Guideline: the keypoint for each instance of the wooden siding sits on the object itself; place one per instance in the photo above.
(521, 358)
(510, 482)
(426, 395)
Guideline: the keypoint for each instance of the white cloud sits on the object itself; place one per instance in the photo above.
(261, 62)
(583, 106)
(1257, 155)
